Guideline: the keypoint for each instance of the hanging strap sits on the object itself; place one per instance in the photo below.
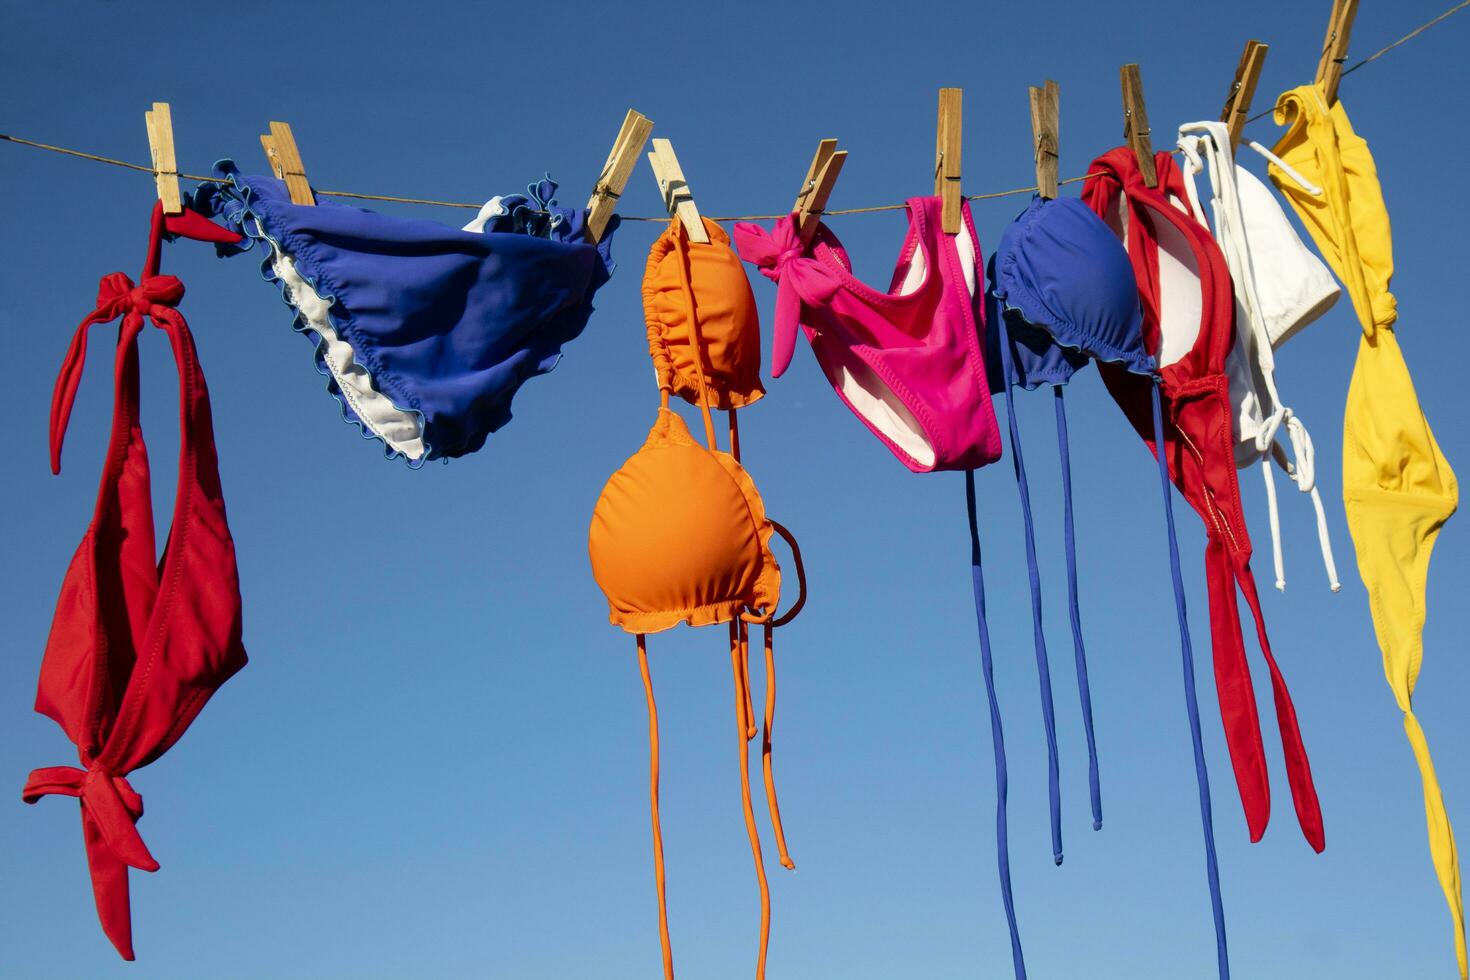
(1298, 768)
(1079, 652)
(1191, 700)
(681, 250)
(997, 736)
(1038, 635)
(741, 694)
(769, 629)
(658, 834)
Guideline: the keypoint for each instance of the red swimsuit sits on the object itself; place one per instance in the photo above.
(137, 647)
(1200, 453)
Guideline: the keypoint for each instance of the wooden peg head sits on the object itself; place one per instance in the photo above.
(1335, 46)
(1243, 89)
(1045, 138)
(947, 149)
(816, 188)
(674, 189)
(621, 160)
(160, 125)
(285, 162)
(1135, 123)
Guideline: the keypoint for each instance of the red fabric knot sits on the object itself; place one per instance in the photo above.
(111, 802)
(800, 278)
(116, 294)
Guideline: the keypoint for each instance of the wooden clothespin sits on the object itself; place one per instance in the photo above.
(821, 177)
(1046, 141)
(615, 172)
(1135, 123)
(678, 199)
(160, 123)
(947, 157)
(1243, 89)
(1335, 47)
(285, 160)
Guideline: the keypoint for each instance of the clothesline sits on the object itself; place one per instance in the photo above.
(204, 179)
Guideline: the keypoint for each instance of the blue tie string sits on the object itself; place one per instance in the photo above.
(1186, 650)
(997, 737)
(1084, 689)
(1043, 668)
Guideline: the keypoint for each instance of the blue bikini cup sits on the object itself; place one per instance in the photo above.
(1066, 286)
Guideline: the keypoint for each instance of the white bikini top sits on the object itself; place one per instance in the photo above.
(1280, 287)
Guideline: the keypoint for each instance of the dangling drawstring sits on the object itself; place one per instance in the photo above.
(997, 736)
(658, 836)
(741, 694)
(1191, 701)
(1084, 689)
(1304, 474)
(740, 648)
(1278, 561)
(1043, 668)
(738, 631)
(771, 802)
(1286, 169)
(682, 249)
(770, 627)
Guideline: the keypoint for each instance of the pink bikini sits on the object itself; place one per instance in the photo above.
(908, 362)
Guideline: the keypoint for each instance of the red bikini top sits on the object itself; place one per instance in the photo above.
(1174, 258)
(137, 646)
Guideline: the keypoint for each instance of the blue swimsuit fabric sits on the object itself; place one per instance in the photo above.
(448, 323)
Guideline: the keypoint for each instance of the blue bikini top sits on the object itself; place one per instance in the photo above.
(1066, 287)
(1061, 293)
(424, 332)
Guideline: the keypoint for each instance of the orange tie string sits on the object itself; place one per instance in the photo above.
(682, 242)
(742, 638)
(658, 837)
(755, 842)
(734, 434)
(771, 800)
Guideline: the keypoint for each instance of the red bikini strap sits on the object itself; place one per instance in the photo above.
(117, 296)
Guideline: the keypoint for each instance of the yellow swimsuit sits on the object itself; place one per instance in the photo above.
(1397, 486)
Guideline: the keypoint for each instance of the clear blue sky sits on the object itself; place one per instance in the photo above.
(450, 779)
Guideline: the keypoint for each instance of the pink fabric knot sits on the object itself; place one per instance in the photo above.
(110, 801)
(800, 278)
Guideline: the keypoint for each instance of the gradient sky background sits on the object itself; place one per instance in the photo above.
(447, 776)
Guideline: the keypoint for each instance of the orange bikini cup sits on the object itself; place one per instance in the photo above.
(680, 533)
(729, 331)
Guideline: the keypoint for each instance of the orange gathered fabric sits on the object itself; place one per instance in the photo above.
(680, 533)
(729, 346)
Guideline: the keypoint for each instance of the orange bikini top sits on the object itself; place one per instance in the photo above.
(680, 533)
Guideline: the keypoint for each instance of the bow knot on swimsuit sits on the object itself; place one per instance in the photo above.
(799, 278)
(117, 295)
(115, 807)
